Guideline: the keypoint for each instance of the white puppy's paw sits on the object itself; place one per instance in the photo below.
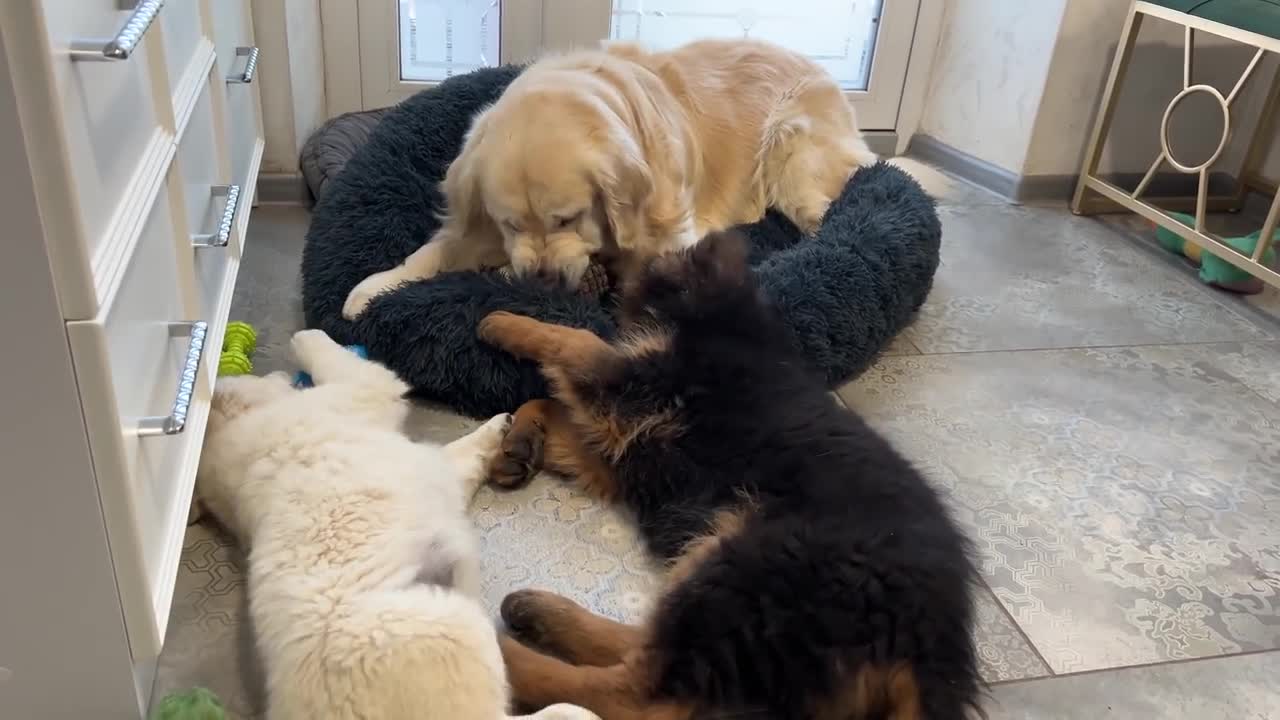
(489, 436)
(308, 344)
(364, 293)
(564, 711)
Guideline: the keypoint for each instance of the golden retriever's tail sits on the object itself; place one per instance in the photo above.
(933, 180)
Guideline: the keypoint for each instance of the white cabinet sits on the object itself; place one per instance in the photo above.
(116, 130)
(140, 125)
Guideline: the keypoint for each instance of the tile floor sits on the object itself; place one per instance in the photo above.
(1107, 428)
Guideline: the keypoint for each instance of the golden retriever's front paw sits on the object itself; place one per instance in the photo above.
(364, 293)
(572, 272)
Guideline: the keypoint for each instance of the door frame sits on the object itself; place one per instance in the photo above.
(905, 48)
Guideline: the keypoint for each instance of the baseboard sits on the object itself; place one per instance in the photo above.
(881, 142)
(965, 166)
(1050, 189)
(283, 189)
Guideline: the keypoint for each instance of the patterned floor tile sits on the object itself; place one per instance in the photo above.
(1267, 302)
(900, 345)
(1241, 688)
(209, 641)
(1256, 365)
(1023, 277)
(1003, 653)
(1124, 501)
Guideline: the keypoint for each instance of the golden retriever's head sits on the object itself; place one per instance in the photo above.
(557, 174)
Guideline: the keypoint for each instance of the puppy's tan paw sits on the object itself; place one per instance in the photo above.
(535, 616)
(498, 325)
(519, 457)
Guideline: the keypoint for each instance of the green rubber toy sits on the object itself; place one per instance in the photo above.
(1214, 270)
(238, 345)
(194, 704)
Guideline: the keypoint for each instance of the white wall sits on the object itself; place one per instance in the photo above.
(291, 74)
(989, 75)
(306, 67)
(1017, 84)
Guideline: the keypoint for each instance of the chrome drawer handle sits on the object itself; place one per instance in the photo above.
(176, 421)
(126, 41)
(223, 236)
(250, 66)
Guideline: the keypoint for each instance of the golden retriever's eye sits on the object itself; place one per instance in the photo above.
(560, 222)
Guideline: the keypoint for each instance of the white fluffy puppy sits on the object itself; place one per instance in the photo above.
(363, 570)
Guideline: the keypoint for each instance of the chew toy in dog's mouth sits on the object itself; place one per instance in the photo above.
(595, 282)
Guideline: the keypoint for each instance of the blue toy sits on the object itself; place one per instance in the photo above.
(303, 380)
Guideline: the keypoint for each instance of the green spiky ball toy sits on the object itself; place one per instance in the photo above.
(194, 704)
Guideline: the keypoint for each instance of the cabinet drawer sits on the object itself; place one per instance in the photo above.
(115, 115)
(185, 49)
(232, 28)
(211, 204)
(234, 43)
(144, 407)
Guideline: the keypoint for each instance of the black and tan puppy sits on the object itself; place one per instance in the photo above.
(814, 573)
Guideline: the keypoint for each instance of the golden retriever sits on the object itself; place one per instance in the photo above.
(625, 151)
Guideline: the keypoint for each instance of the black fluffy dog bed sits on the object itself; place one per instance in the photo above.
(845, 292)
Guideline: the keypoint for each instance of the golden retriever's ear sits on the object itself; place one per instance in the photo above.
(626, 184)
(464, 214)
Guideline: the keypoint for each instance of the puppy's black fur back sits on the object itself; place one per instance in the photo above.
(846, 590)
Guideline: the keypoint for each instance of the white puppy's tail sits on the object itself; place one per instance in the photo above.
(930, 178)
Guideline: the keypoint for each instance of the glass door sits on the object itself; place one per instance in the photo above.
(441, 39)
(864, 44)
(406, 45)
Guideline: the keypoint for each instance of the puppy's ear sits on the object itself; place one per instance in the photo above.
(712, 275)
(465, 213)
(626, 185)
(721, 259)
